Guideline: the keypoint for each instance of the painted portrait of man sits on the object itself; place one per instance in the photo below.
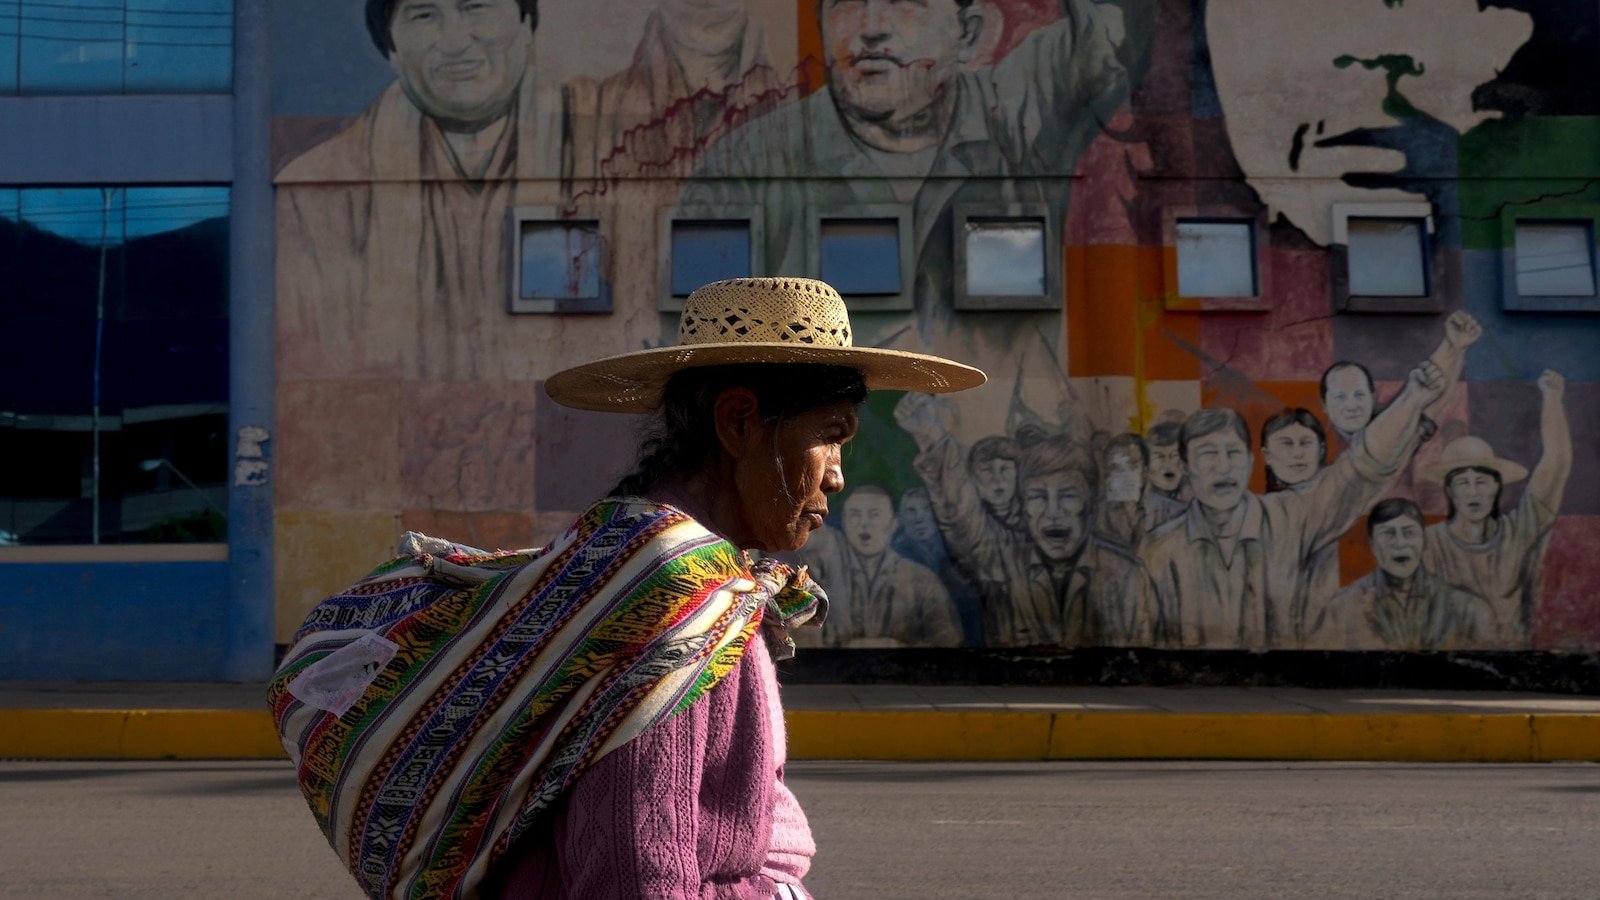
(1235, 569)
(1315, 97)
(395, 248)
(877, 596)
(1401, 605)
(907, 119)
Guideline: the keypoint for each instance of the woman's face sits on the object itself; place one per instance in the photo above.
(1293, 453)
(784, 481)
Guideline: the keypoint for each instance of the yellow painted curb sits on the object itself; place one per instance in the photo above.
(918, 735)
(138, 734)
(1402, 737)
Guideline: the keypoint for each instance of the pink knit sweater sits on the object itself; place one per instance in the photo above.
(693, 808)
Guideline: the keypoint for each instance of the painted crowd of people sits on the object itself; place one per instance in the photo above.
(1155, 539)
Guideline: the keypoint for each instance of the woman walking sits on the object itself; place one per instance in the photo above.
(600, 717)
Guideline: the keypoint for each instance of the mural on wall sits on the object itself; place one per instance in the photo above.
(1281, 470)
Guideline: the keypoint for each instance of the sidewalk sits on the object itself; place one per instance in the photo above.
(909, 722)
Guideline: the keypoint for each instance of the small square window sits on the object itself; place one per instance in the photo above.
(1388, 257)
(558, 263)
(704, 251)
(1005, 257)
(861, 256)
(1555, 258)
(1216, 258)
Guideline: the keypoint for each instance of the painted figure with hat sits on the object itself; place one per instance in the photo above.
(1493, 552)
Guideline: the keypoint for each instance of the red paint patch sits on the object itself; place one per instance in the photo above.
(1568, 617)
(1292, 342)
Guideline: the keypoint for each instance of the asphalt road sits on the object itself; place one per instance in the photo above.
(888, 830)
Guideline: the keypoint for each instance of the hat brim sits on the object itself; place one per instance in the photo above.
(633, 382)
(1509, 471)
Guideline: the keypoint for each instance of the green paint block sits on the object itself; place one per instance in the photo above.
(1535, 165)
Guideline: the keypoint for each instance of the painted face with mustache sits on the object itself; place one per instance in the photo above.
(893, 58)
(1219, 469)
(1397, 544)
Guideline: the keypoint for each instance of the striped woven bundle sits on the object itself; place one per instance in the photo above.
(435, 708)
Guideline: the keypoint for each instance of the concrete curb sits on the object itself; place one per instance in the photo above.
(918, 735)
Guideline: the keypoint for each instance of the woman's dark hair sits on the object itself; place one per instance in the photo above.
(380, 15)
(681, 439)
(1297, 416)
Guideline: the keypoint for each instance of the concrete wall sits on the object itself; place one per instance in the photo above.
(408, 397)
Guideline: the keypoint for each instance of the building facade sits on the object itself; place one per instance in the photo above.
(1289, 309)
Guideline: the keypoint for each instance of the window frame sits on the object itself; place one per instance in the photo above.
(598, 305)
(1438, 277)
(1260, 301)
(1512, 299)
(1054, 296)
(867, 302)
(751, 215)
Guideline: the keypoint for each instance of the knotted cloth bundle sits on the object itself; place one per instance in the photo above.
(435, 708)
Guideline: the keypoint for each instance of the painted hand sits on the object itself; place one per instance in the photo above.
(920, 416)
(1427, 380)
(1552, 385)
(1461, 330)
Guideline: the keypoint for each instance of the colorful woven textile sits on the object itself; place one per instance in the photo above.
(436, 707)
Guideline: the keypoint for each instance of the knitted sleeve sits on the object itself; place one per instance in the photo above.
(631, 825)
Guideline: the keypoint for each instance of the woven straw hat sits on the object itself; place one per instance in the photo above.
(754, 320)
(1469, 452)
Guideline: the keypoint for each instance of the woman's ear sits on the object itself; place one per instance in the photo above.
(737, 413)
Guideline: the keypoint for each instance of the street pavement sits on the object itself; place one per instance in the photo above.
(891, 829)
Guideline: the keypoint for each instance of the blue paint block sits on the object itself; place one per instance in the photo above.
(162, 621)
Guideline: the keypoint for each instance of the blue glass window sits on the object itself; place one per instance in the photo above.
(707, 251)
(560, 260)
(861, 256)
(1388, 257)
(113, 365)
(116, 46)
(1555, 259)
(1216, 259)
(1005, 257)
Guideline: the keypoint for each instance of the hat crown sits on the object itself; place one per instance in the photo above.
(795, 311)
(1466, 450)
